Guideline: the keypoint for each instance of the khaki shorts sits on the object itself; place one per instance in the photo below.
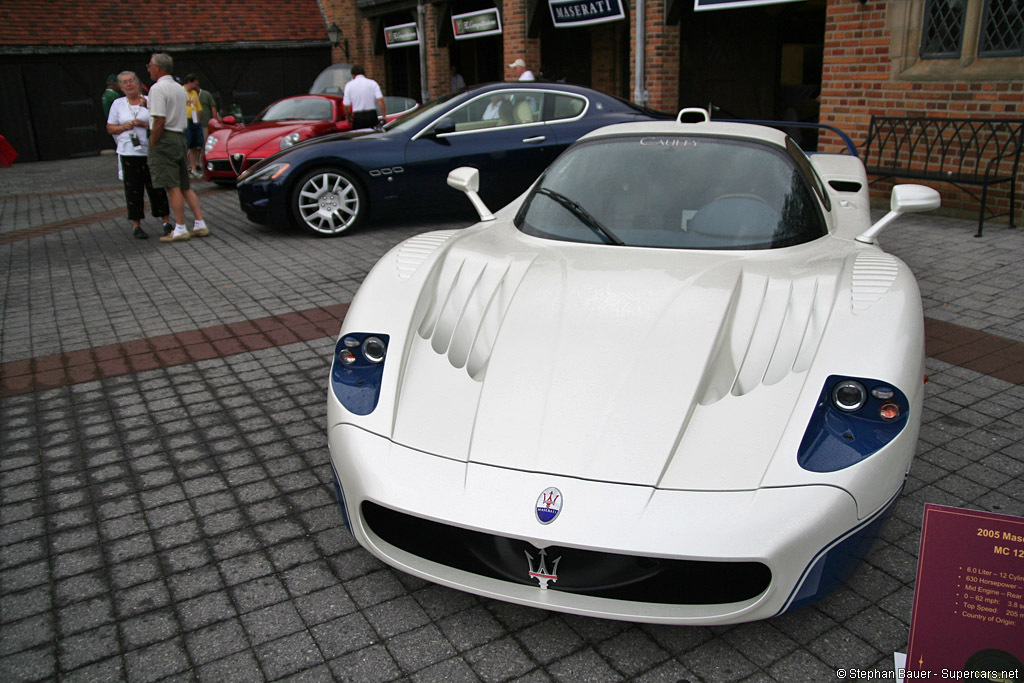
(168, 161)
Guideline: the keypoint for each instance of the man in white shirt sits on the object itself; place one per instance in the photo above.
(521, 72)
(168, 152)
(362, 98)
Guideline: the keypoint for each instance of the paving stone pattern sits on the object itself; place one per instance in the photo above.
(178, 523)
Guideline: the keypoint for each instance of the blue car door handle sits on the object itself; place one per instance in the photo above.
(536, 138)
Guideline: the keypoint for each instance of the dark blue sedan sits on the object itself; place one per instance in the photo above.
(510, 131)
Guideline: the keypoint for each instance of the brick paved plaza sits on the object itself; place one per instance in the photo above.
(166, 508)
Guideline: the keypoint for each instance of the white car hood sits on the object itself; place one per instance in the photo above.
(681, 372)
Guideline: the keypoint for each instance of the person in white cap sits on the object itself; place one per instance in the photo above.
(524, 74)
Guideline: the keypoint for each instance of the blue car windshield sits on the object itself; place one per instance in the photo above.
(675, 192)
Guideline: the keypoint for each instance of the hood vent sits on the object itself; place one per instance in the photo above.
(771, 327)
(467, 306)
(873, 275)
(414, 251)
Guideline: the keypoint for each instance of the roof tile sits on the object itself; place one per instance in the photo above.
(108, 24)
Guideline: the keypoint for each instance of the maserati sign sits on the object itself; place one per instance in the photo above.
(571, 13)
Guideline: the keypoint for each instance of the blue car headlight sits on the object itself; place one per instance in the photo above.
(357, 370)
(269, 171)
(853, 418)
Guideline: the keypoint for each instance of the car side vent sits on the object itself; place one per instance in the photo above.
(873, 275)
(845, 185)
(415, 251)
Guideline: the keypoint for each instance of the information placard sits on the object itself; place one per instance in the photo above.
(968, 617)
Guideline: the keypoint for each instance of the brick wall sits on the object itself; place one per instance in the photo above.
(360, 46)
(861, 78)
(438, 64)
(516, 43)
(662, 58)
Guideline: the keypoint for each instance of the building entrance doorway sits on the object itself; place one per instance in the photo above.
(760, 62)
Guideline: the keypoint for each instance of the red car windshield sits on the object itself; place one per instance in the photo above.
(299, 109)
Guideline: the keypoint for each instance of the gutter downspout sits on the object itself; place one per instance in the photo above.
(421, 27)
(640, 94)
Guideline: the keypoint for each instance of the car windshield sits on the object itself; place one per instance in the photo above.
(299, 109)
(674, 192)
(416, 118)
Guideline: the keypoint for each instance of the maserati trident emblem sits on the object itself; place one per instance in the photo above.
(542, 574)
(549, 504)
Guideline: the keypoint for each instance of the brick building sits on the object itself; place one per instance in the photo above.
(926, 58)
(839, 61)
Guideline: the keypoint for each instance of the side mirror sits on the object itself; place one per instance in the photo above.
(467, 179)
(443, 127)
(905, 199)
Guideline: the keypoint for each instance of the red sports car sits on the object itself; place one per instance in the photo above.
(232, 146)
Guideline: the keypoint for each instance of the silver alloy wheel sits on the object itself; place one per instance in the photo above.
(328, 202)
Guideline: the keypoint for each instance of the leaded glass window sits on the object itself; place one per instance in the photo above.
(943, 33)
(1002, 29)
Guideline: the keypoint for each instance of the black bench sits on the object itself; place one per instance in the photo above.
(962, 152)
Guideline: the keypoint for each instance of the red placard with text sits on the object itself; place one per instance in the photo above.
(969, 598)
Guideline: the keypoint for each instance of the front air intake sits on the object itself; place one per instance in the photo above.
(583, 572)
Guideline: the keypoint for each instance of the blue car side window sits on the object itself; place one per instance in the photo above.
(498, 109)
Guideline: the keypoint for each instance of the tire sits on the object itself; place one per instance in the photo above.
(328, 202)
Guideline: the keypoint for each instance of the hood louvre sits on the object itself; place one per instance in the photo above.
(873, 275)
(467, 307)
(771, 328)
(414, 252)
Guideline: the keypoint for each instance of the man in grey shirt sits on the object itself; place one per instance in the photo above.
(168, 152)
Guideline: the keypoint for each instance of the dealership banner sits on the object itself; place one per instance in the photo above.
(401, 35)
(571, 13)
(699, 5)
(485, 22)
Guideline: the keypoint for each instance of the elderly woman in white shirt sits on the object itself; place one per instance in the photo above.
(128, 122)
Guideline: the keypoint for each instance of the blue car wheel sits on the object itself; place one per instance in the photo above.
(328, 201)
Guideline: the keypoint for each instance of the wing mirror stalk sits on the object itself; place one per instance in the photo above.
(905, 199)
(467, 179)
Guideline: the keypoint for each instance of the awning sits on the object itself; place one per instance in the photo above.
(699, 5)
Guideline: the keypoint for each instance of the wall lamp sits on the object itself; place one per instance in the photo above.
(334, 34)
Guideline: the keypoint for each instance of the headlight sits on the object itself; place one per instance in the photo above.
(851, 423)
(374, 349)
(270, 171)
(849, 395)
(290, 139)
(211, 142)
(357, 370)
